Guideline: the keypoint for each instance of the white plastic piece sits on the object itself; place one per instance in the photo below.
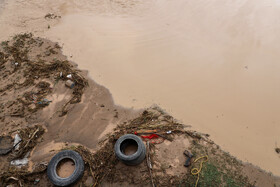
(16, 141)
(19, 162)
(69, 76)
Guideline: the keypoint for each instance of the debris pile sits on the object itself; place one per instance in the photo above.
(30, 69)
(29, 138)
(30, 72)
(103, 164)
(33, 76)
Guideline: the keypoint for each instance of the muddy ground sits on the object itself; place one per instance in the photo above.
(36, 104)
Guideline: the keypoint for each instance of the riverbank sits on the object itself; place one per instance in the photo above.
(50, 116)
(216, 71)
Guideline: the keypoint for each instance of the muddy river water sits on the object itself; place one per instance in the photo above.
(211, 64)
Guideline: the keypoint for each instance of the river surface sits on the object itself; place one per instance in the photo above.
(214, 64)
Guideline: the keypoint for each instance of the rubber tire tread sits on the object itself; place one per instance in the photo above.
(135, 158)
(76, 175)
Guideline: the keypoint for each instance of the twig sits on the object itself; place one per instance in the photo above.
(16, 179)
(149, 163)
(31, 138)
(91, 171)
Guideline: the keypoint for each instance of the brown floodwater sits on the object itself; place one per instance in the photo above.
(211, 64)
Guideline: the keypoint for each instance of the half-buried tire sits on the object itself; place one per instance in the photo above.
(54, 164)
(130, 149)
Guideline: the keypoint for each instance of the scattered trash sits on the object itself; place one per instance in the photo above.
(196, 171)
(29, 138)
(44, 102)
(60, 74)
(19, 162)
(69, 76)
(17, 142)
(152, 135)
(16, 63)
(36, 181)
(168, 132)
(34, 98)
(6, 144)
(189, 157)
(146, 131)
(70, 84)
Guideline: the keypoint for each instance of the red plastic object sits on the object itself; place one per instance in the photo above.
(150, 136)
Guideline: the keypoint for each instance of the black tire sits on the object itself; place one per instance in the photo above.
(137, 157)
(77, 174)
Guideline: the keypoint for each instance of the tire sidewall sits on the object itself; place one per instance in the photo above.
(52, 166)
(135, 158)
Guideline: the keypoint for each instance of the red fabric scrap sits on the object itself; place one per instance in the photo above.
(150, 136)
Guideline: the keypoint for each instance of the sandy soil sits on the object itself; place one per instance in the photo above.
(66, 168)
(129, 47)
(216, 70)
(86, 123)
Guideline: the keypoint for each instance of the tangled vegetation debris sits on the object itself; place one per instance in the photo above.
(104, 166)
(22, 71)
(30, 73)
(30, 137)
(30, 68)
(51, 16)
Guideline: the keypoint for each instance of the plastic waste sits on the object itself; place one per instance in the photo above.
(69, 76)
(19, 162)
(70, 83)
(17, 141)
